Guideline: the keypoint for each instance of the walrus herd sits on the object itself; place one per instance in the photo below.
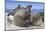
(22, 18)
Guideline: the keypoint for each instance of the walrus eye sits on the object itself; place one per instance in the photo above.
(34, 19)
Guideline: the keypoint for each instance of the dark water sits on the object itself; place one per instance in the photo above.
(33, 10)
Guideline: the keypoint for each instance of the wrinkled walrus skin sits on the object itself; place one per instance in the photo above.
(19, 18)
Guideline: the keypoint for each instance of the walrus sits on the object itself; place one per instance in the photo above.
(19, 18)
(37, 20)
